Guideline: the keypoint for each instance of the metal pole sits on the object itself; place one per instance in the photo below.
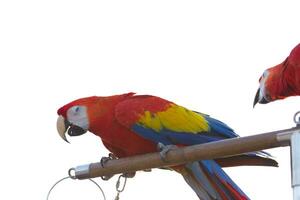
(213, 150)
(295, 159)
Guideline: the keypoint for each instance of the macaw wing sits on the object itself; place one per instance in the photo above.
(162, 121)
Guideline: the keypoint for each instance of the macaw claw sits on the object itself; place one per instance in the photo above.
(104, 160)
(164, 149)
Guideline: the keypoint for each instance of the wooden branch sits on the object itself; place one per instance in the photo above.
(212, 150)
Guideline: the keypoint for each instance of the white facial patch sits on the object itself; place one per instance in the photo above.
(262, 85)
(77, 115)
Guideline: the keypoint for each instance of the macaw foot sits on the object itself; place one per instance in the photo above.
(111, 156)
(104, 160)
(164, 149)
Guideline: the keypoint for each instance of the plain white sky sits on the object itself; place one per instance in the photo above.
(204, 55)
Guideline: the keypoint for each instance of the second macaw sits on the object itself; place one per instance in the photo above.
(130, 124)
(280, 81)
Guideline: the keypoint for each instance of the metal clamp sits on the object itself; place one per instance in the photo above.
(79, 172)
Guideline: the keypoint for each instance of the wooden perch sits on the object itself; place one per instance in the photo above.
(212, 150)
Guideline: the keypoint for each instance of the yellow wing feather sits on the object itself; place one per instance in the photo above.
(175, 118)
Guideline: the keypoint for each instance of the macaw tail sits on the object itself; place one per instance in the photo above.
(210, 182)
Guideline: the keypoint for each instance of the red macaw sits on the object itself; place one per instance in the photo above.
(130, 124)
(280, 81)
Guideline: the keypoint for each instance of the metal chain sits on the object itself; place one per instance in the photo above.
(120, 188)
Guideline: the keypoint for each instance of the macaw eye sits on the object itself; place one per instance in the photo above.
(265, 73)
(75, 109)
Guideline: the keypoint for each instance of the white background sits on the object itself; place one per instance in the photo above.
(204, 55)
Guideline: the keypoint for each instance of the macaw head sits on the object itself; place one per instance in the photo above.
(278, 82)
(87, 114)
(75, 117)
(266, 91)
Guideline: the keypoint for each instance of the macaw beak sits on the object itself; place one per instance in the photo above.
(258, 99)
(64, 126)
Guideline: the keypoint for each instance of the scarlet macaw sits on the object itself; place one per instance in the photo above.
(130, 124)
(280, 81)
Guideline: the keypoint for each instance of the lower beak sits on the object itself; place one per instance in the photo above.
(64, 126)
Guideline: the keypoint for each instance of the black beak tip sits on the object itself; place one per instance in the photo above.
(254, 103)
(256, 99)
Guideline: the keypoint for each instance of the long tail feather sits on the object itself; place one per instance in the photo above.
(210, 182)
(247, 160)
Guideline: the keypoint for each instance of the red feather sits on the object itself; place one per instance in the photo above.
(283, 80)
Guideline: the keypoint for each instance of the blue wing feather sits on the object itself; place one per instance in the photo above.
(217, 131)
(219, 127)
(170, 137)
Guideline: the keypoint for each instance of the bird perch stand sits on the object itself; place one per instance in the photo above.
(295, 162)
(212, 150)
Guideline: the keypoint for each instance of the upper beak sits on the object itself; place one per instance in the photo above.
(64, 126)
(258, 99)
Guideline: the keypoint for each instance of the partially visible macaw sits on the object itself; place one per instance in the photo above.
(130, 124)
(280, 81)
